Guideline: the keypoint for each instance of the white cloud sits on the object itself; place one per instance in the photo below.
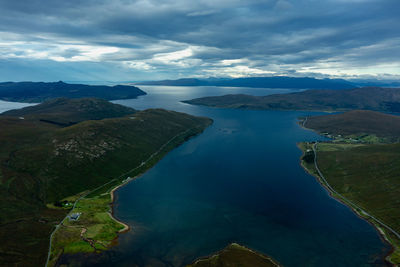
(57, 51)
(139, 65)
(207, 37)
(85, 52)
(173, 56)
(238, 71)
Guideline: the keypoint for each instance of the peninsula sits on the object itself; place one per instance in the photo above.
(60, 161)
(360, 167)
(36, 92)
(368, 98)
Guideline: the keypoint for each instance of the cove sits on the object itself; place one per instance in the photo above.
(240, 181)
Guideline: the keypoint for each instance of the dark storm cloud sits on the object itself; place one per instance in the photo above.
(203, 37)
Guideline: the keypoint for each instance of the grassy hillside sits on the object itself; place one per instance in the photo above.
(368, 176)
(42, 163)
(35, 92)
(235, 256)
(367, 98)
(363, 171)
(358, 124)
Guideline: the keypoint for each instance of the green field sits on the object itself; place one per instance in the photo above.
(94, 231)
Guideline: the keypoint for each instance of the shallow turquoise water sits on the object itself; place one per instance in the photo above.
(239, 181)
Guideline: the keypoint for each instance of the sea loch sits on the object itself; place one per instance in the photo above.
(240, 181)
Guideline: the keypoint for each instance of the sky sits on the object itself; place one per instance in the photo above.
(123, 40)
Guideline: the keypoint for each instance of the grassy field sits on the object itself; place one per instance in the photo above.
(42, 163)
(235, 256)
(366, 174)
(94, 231)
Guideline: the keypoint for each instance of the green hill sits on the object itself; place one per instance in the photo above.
(35, 92)
(357, 123)
(42, 163)
(65, 112)
(367, 98)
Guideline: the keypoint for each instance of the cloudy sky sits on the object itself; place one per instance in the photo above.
(124, 40)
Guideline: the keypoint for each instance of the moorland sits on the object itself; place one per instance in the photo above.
(70, 153)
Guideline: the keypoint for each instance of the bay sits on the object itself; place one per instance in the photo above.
(239, 181)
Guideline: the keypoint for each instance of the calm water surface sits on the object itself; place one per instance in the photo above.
(239, 181)
(5, 105)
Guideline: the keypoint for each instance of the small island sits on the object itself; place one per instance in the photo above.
(235, 255)
(360, 166)
(60, 163)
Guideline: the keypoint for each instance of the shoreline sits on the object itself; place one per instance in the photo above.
(130, 179)
(382, 234)
(149, 163)
(112, 192)
(241, 247)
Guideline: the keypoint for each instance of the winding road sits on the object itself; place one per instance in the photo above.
(345, 199)
(113, 180)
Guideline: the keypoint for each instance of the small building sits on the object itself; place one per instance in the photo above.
(74, 216)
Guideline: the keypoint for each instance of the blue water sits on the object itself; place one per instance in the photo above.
(239, 181)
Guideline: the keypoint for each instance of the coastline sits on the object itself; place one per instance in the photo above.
(112, 192)
(267, 109)
(106, 198)
(359, 213)
(129, 179)
(232, 247)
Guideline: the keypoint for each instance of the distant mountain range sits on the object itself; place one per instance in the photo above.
(35, 92)
(376, 83)
(367, 98)
(260, 82)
